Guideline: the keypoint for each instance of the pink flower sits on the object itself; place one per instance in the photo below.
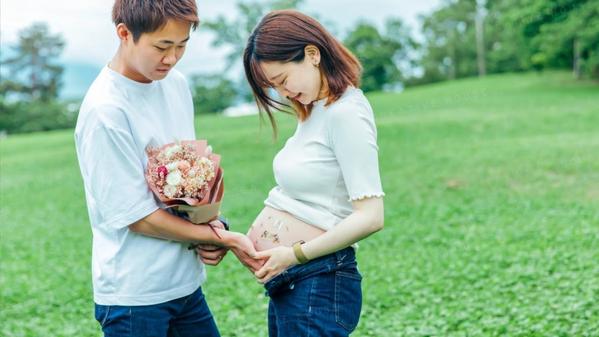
(183, 165)
(162, 171)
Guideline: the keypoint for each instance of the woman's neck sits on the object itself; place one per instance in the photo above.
(324, 88)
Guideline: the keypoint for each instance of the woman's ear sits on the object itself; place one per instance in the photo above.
(313, 54)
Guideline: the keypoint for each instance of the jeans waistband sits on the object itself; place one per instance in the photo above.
(324, 264)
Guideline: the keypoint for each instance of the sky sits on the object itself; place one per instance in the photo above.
(91, 41)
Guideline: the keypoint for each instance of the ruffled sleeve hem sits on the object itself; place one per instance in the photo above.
(367, 196)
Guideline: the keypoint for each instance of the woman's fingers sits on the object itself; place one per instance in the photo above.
(248, 260)
(267, 276)
(262, 272)
(263, 254)
(266, 270)
(270, 269)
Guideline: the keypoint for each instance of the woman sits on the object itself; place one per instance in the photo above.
(328, 194)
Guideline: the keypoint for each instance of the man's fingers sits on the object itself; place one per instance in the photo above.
(211, 262)
(210, 247)
(211, 255)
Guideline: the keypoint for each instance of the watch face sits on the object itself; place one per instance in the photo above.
(224, 221)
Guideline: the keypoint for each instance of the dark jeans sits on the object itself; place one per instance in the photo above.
(320, 298)
(188, 316)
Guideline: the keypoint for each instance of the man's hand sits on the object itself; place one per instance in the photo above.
(243, 249)
(210, 254)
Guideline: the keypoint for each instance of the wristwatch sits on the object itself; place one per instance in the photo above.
(224, 220)
(299, 254)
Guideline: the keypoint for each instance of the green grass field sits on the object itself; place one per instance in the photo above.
(491, 220)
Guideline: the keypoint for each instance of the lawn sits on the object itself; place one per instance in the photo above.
(491, 219)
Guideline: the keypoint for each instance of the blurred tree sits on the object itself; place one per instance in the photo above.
(212, 93)
(381, 54)
(571, 38)
(507, 49)
(449, 41)
(31, 79)
(234, 33)
(31, 116)
(515, 35)
(556, 34)
(479, 19)
(32, 69)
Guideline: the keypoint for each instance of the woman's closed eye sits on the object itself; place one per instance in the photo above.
(282, 84)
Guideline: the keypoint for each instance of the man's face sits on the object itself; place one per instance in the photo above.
(156, 53)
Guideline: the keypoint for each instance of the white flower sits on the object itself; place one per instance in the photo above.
(208, 150)
(192, 173)
(169, 191)
(170, 151)
(199, 181)
(174, 178)
(172, 166)
(206, 162)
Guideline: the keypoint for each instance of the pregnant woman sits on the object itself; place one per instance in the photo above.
(328, 194)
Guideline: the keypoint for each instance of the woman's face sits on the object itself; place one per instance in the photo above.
(298, 81)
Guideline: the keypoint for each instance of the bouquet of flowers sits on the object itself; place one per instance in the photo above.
(187, 176)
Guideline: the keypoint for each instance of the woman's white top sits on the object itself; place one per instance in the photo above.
(330, 161)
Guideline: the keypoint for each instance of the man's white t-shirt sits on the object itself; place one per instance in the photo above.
(118, 119)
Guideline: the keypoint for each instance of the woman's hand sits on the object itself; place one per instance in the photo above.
(279, 259)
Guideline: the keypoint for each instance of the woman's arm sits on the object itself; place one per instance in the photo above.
(367, 218)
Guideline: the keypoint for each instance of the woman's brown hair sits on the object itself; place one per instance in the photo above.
(147, 16)
(282, 36)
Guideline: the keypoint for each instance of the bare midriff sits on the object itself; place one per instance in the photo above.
(273, 228)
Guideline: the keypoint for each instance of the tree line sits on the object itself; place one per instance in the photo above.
(461, 38)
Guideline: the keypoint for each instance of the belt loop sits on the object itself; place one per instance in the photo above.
(340, 256)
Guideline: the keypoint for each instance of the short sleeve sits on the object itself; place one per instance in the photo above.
(114, 177)
(185, 89)
(353, 138)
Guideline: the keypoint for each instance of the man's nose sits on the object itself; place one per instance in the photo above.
(170, 58)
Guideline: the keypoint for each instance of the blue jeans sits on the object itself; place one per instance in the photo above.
(188, 316)
(320, 298)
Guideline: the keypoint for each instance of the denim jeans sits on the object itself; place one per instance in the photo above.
(188, 316)
(320, 298)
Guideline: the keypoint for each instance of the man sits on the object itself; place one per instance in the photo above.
(146, 282)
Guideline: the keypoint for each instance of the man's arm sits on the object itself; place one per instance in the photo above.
(162, 224)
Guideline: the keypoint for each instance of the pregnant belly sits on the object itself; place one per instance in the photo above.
(273, 228)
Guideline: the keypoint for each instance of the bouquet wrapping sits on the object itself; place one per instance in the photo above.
(187, 176)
